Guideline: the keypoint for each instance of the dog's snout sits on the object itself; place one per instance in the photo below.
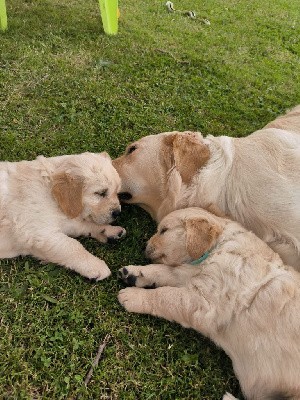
(123, 196)
(149, 251)
(115, 213)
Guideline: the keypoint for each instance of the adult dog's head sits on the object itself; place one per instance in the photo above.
(87, 185)
(184, 236)
(156, 168)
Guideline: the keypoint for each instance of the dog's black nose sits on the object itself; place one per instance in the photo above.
(115, 213)
(124, 196)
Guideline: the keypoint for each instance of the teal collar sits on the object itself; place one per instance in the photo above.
(202, 258)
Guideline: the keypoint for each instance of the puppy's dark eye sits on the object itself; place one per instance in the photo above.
(102, 193)
(131, 149)
(163, 230)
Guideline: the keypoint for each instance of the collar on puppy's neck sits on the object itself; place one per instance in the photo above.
(200, 259)
(204, 256)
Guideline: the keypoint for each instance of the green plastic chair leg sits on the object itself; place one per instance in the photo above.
(3, 16)
(109, 16)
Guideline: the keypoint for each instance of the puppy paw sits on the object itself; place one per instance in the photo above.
(109, 234)
(115, 234)
(131, 299)
(98, 272)
(135, 275)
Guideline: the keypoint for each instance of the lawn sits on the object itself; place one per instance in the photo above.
(66, 87)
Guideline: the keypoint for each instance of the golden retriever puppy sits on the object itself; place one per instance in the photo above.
(43, 202)
(227, 284)
(255, 180)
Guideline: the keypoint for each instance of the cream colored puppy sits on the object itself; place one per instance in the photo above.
(227, 284)
(255, 180)
(43, 202)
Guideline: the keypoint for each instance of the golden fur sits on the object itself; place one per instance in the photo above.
(44, 201)
(254, 180)
(241, 296)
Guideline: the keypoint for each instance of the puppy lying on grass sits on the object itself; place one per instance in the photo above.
(43, 202)
(227, 284)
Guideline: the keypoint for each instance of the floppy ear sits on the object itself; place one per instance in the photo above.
(67, 191)
(201, 236)
(187, 152)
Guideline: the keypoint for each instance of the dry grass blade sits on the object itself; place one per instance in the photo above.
(96, 359)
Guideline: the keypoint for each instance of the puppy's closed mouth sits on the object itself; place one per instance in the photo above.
(123, 196)
(155, 258)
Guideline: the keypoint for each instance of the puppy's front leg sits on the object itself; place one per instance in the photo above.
(174, 304)
(66, 251)
(156, 275)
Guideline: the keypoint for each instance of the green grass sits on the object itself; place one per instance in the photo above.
(65, 87)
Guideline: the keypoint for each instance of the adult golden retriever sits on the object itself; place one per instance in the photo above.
(255, 180)
(44, 201)
(226, 283)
